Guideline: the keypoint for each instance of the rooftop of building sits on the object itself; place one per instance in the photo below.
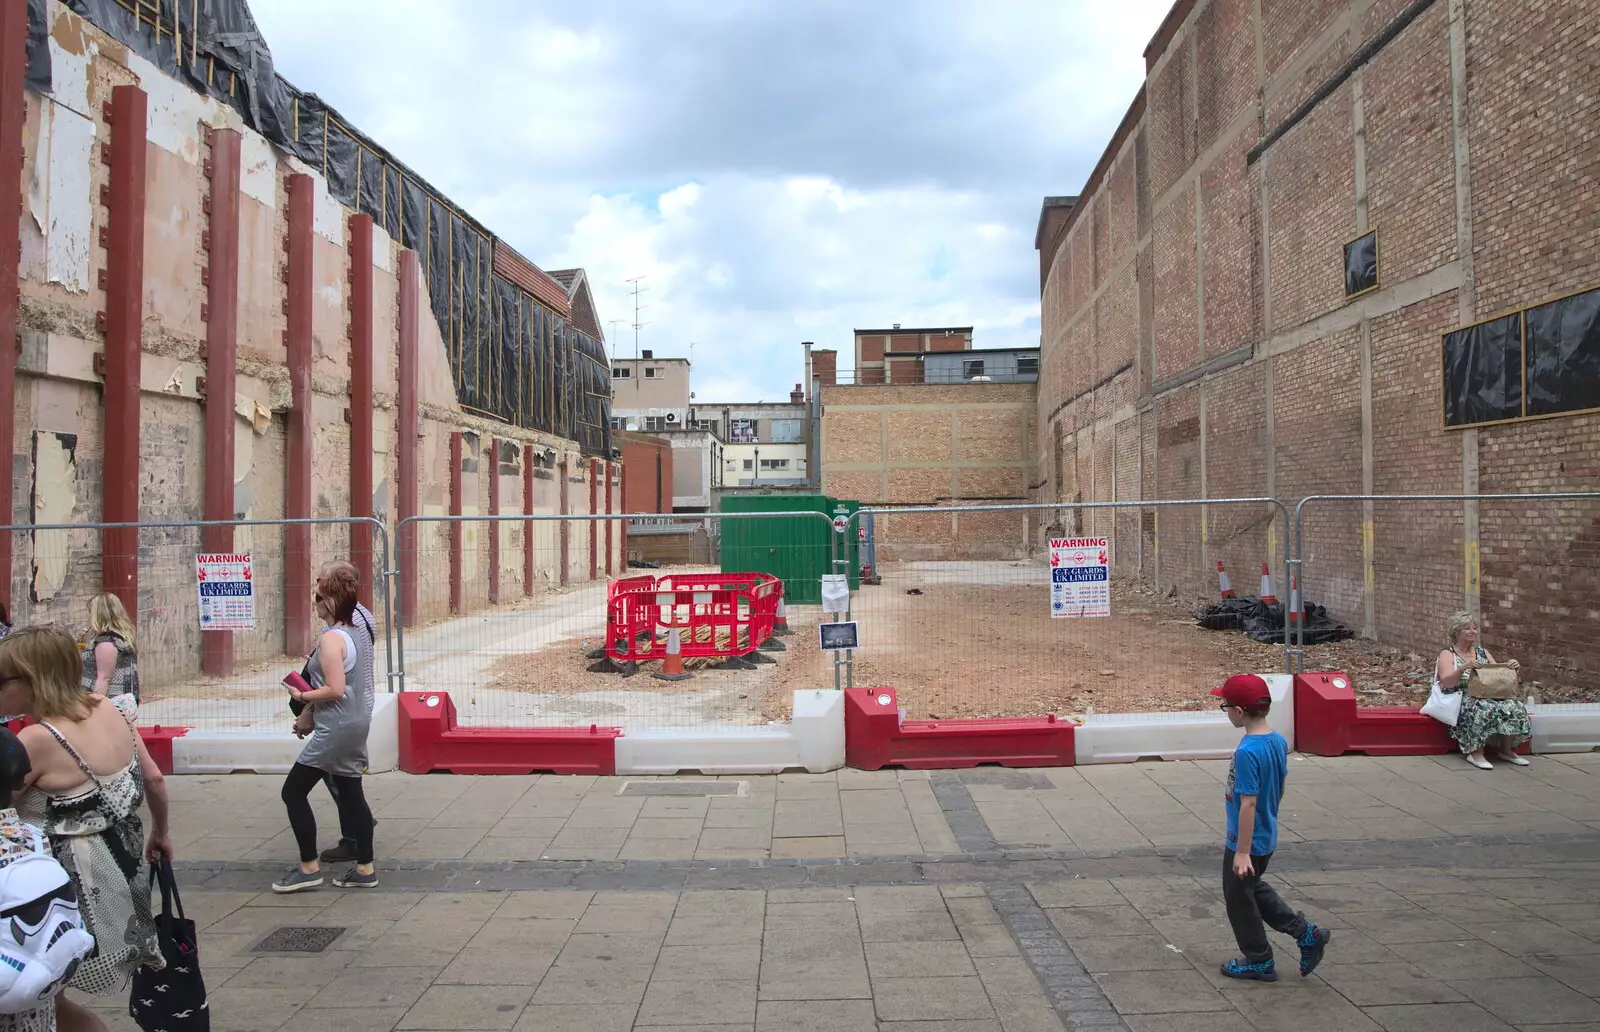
(915, 329)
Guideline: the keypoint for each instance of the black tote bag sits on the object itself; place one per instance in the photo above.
(173, 999)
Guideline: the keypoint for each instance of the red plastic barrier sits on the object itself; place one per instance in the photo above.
(1327, 722)
(157, 740)
(875, 737)
(718, 615)
(431, 741)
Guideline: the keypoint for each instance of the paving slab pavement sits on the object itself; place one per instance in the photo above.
(992, 900)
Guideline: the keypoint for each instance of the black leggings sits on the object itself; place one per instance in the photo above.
(354, 814)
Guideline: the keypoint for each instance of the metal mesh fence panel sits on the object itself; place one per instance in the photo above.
(185, 679)
(1390, 571)
(1005, 611)
(520, 622)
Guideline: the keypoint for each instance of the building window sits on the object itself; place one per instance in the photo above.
(652, 373)
(786, 431)
(1534, 363)
(621, 373)
(971, 368)
(1028, 366)
(654, 423)
(1361, 264)
(774, 463)
(619, 423)
(749, 464)
(743, 431)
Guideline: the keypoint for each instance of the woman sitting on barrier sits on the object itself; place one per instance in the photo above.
(110, 661)
(1501, 724)
(341, 714)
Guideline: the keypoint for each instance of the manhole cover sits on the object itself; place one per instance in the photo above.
(683, 788)
(299, 940)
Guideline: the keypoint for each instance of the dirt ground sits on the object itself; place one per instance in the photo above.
(977, 640)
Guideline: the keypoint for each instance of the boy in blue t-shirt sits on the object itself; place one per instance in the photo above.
(1255, 788)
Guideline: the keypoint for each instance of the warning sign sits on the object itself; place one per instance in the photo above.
(1080, 577)
(227, 593)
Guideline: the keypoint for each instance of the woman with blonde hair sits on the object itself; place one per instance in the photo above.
(1498, 723)
(89, 773)
(111, 660)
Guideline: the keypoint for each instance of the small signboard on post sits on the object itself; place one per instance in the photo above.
(227, 592)
(1080, 577)
(838, 637)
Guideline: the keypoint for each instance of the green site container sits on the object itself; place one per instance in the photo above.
(796, 549)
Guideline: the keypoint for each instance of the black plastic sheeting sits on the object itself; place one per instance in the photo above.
(512, 359)
(1361, 265)
(1564, 355)
(1483, 372)
(1264, 622)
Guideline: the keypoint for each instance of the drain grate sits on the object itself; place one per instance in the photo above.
(683, 788)
(298, 940)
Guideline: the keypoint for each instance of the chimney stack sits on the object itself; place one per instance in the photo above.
(797, 395)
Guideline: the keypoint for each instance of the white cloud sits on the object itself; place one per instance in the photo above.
(777, 173)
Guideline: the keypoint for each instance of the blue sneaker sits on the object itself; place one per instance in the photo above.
(297, 881)
(1257, 971)
(1312, 945)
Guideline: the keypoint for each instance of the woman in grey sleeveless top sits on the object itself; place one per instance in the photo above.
(340, 697)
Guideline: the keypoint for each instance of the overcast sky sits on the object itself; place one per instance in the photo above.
(777, 170)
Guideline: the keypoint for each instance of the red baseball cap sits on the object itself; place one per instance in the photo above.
(1247, 691)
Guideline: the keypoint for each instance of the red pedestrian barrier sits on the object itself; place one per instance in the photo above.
(724, 616)
(157, 740)
(430, 740)
(1327, 722)
(875, 737)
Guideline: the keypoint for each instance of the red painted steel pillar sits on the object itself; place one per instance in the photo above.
(407, 430)
(361, 388)
(13, 119)
(566, 525)
(123, 323)
(528, 564)
(624, 522)
(493, 465)
(222, 368)
(610, 524)
(456, 526)
(298, 575)
(594, 507)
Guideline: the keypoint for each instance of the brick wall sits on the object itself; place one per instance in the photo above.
(934, 445)
(1182, 251)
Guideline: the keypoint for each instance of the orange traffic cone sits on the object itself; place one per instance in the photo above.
(1295, 615)
(780, 624)
(672, 665)
(1266, 586)
(1223, 584)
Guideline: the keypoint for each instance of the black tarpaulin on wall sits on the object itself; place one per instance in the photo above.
(224, 56)
(1564, 355)
(1483, 372)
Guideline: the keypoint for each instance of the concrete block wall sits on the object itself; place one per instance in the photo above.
(1194, 312)
(58, 411)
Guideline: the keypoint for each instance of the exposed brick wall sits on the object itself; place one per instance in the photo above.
(1134, 278)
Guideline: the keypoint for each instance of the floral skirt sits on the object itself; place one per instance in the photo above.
(1482, 719)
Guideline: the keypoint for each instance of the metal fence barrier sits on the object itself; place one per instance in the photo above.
(511, 627)
(1392, 569)
(1011, 610)
(190, 675)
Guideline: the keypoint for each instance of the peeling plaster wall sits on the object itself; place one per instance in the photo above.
(59, 413)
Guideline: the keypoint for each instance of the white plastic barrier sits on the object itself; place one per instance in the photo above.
(1565, 727)
(813, 741)
(211, 751)
(1199, 735)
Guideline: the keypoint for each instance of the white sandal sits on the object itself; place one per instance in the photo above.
(1481, 764)
(1512, 758)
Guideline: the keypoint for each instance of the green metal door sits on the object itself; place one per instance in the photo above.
(796, 549)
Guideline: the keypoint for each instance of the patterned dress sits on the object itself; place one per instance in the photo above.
(97, 836)
(123, 690)
(1482, 719)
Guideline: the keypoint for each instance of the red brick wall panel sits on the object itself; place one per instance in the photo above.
(1228, 251)
(1176, 321)
(1311, 201)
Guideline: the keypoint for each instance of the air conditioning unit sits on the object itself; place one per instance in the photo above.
(672, 417)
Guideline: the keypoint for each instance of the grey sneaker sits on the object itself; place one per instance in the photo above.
(354, 879)
(297, 881)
